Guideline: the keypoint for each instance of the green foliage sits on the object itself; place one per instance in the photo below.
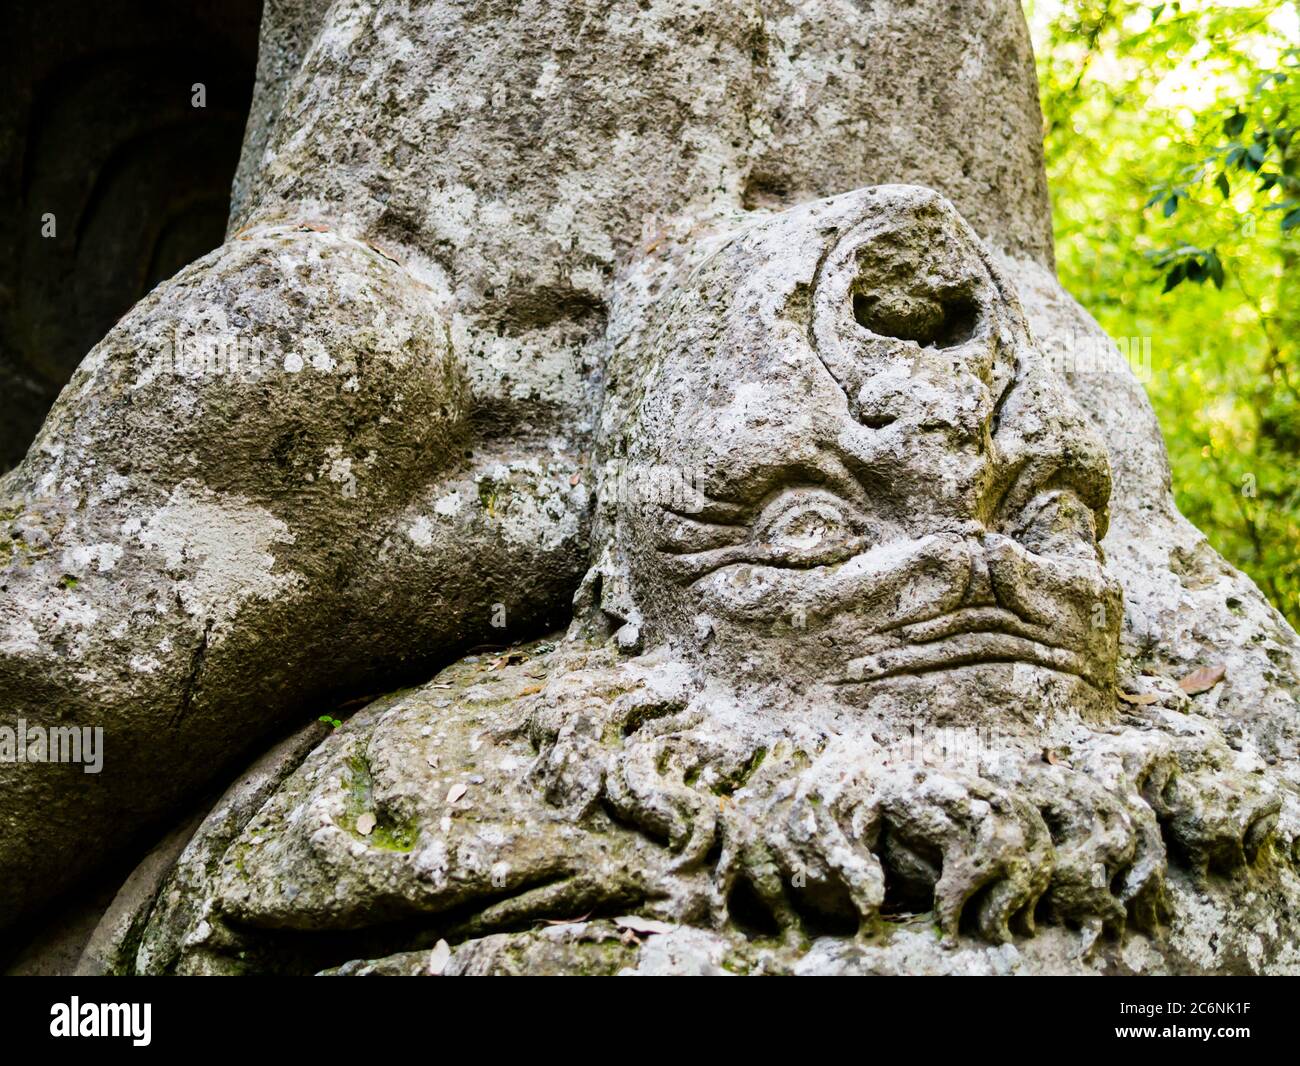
(1172, 147)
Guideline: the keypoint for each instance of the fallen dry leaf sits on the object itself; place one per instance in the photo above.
(644, 926)
(439, 957)
(1202, 680)
(508, 659)
(456, 791)
(1140, 698)
(366, 824)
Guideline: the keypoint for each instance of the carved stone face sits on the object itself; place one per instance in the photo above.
(897, 496)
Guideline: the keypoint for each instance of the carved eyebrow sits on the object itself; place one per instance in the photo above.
(740, 496)
(713, 512)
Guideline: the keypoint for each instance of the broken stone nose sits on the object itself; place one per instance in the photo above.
(979, 586)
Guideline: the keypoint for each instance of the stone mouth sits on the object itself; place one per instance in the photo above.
(964, 637)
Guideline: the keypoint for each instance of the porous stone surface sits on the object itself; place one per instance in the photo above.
(267, 458)
(875, 664)
(480, 811)
(1184, 606)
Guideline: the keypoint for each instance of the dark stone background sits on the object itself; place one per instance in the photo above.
(97, 126)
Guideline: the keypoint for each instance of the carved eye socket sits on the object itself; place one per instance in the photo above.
(1057, 522)
(809, 527)
(939, 320)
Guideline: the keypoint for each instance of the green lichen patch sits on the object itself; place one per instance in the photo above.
(385, 834)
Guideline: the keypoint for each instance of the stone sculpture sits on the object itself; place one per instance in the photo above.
(835, 503)
(884, 526)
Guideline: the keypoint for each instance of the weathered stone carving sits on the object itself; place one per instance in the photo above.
(891, 530)
(894, 481)
(580, 226)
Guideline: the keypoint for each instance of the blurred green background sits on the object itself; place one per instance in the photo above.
(1172, 137)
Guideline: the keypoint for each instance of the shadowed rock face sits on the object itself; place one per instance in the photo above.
(97, 128)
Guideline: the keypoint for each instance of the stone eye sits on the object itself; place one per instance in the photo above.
(809, 527)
